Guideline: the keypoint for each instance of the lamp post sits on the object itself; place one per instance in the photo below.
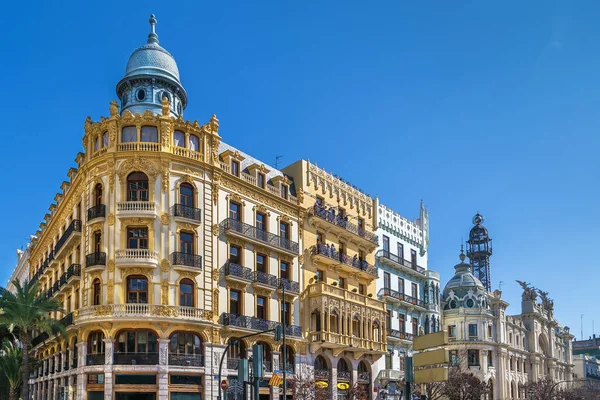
(559, 382)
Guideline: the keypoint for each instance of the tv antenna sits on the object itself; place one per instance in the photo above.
(500, 284)
(277, 158)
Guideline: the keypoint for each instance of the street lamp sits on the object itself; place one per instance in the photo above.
(559, 382)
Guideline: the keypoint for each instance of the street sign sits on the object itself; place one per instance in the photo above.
(224, 384)
(430, 340)
(343, 386)
(321, 384)
(438, 374)
(439, 356)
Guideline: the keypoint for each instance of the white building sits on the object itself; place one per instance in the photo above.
(21, 272)
(411, 291)
(586, 367)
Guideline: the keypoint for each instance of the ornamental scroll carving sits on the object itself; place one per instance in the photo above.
(165, 219)
(164, 265)
(165, 176)
(137, 163)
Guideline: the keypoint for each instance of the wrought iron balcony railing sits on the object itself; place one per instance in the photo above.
(186, 360)
(56, 287)
(321, 374)
(343, 375)
(232, 363)
(400, 260)
(193, 213)
(95, 359)
(74, 226)
(135, 358)
(342, 222)
(95, 259)
(252, 232)
(400, 335)
(39, 339)
(355, 262)
(237, 271)
(264, 279)
(74, 270)
(258, 324)
(98, 211)
(364, 376)
(290, 286)
(189, 260)
(400, 296)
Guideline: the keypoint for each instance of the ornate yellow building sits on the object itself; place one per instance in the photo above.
(163, 245)
(344, 323)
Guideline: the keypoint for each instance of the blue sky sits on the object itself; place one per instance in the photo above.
(471, 106)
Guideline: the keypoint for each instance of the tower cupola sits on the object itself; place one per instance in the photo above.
(150, 76)
(479, 250)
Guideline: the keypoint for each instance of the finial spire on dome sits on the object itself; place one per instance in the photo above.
(462, 254)
(152, 36)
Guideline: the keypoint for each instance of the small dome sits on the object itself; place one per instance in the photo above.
(463, 280)
(152, 59)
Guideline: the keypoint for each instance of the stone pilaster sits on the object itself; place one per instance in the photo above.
(70, 382)
(108, 368)
(163, 369)
(51, 389)
(212, 357)
(81, 377)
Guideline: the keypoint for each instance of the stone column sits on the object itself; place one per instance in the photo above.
(81, 377)
(69, 384)
(51, 390)
(212, 357)
(33, 391)
(108, 368)
(163, 369)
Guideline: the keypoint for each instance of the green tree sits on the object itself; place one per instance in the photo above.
(10, 364)
(26, 311)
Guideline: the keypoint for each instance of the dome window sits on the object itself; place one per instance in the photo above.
(141, 95)
(470, 303)
(149, 133)
(452, 303)
(124, 99)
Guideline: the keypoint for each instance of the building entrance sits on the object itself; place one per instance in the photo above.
(135, 396)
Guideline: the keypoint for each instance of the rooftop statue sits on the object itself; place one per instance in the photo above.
(547, 303)
(529, 292)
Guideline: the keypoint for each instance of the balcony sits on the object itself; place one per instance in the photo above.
(364, 377)
(135, 358)
(328, 256)
(138, 146)
(387, 375)
(342, 225)
(234, 272)
(183, 152)
(344, 375)
(186, 360)
(96, 213)
(95, 359)
(394, 334)
(264, 280)
(186, 262)
(232, 363)
(257, 324)
(68, 239)
(248, 232)
(135, 311)
(187, 213)
(253, 181)
(387, 258)
(291, 287)
(393, 296)
(95, 261)
(322, 374)
(73, 272)
(127, 209)
(136, 257)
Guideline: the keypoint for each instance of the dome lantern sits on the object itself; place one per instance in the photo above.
(151, 75)
(479, 250)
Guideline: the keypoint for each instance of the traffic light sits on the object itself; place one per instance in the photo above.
(278, 332)
(243, 371)
(257, 361)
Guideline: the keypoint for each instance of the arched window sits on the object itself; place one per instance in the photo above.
(179, 139)
(315, 321)
(237, 350)
(96, 292)
(98, 241)
(149, 133)
(129, 134)
(97, 143)
(320, 364)
(343, 372)
(267, 357)
(186, 293)
(105, 139)
(376, 331)
(137, 290)
(356, 326)
(333, 321)
(98, 194)
(185, 344)
(137, 187)
(194, 143)
(186, 195)
(363, 372)
(95, 344)
(290, 358)
(143, 341)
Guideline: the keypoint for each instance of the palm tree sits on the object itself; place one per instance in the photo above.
(24, 312)
(10, 363)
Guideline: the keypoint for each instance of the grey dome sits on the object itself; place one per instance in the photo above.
(463, 280)
(152, 59)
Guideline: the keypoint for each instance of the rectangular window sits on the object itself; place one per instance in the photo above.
(489, 359)
(261, 307)
(235, 306)
(401, 285)
(453, 355)
(137, 238)
(320, 238)
(234, 211)
(386, 280)
(320, 201)
(413, 291)
(129, 134)
(388, 319)
(95, 379)
(68, 304)
(472, 330)
(489, 332)
(401, 318)
(413, 258)
(261, 222)
(319, 276)
(77, 299)
(260, 178)
(235, 254)
(286, 311)
(361, 289)
(186, 242)
(452, 331)
(284, 230)
(361, 226)
(473, 358)
(98, 242)
(415, 326)
(137, 290)
(342, 283)
(261, 262)
(400, 248)
(235, 168)
(386, 245)
(284, 270)
(388, 361)
(284, 191)
(149, 134)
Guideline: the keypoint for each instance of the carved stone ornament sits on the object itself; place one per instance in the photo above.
(165, 176)
(237, 286)
(111, 219)
(164, 265)
(110, 291)
(215, 302)
(301, 259)
(189, 274)
(165, 107)
(165, 219)
(215, 275)
(137, 163)
(181, 226)
(215, 230)
(164, 293)
(164, 326)
(113, 109)
(262, 209)
(110, 266)
(125, 272)
(235, 197)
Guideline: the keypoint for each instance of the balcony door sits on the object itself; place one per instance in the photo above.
(386, 245)
(401, 252)
(186, 243)
(137, 238)
(186, 195)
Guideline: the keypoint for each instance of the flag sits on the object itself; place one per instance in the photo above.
(276, 380)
